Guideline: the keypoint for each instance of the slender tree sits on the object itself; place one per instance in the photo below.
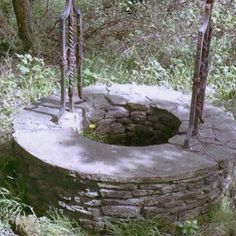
(22, 10)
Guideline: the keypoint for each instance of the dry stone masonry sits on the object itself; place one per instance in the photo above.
(127, 123)
(95, 182)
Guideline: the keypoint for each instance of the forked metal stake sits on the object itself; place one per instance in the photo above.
(200, 74)
(71, 54)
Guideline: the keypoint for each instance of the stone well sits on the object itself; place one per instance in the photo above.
(147, 172)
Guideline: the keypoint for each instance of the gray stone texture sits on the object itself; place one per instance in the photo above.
(94, 182)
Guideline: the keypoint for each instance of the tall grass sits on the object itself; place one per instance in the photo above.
(11, 207)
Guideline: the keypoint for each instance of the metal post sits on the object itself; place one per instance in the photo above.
(200, 74)
(71, 54)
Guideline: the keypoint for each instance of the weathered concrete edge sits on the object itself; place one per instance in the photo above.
(186, 176)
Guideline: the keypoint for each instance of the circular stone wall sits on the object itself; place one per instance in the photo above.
(96, 182)
(130, 125)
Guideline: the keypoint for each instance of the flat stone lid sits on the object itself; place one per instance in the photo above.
(62, 145)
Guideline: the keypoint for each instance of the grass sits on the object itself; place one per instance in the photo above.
(21, 217)
(137, 227)
(220, 220)
(93, 135)
(56, 224)
(10, 207)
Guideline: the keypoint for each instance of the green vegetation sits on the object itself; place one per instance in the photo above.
(189, 227)
(10, 207)
(135, 228)
(143, 42)
(24, 221)
(93, 135)
(220, 220)
(23, 79)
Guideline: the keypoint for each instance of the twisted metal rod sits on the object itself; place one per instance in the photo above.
(71, 54)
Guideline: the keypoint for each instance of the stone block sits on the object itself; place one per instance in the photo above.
(196, 185)
(93, 224)
(97, 101)
(137, 106)
(77, 199)
(93, 203)
(142, 192)
(172, 188)
(119, 202)
(106, 193)
(96, 212)
(128, 186)
(116, 100)
(75, 208)
(153, 200)
(123, 121)
(121, 211)
(150, 212)
(116, 112)
(177, 140)
(183, 127)
(111, 129)
(138, 116)
(153, 118)
(96, 116)
(152, 186)
(191, 214)
(169, 120)
(116, 128)
(89, 194)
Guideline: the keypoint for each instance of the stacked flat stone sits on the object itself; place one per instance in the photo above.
(131, 124)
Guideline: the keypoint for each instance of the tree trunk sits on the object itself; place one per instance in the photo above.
(24, 21)
(5, 29)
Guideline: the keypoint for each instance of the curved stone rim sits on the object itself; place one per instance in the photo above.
(176, 165)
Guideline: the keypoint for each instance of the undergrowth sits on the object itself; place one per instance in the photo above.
(11, 207)
(21, 217)
(138, 227)
(23, 80)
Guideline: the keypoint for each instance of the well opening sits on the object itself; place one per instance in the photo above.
(128, 127)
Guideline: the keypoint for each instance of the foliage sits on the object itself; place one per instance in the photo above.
(10, 177)
(222, 218)
(57, 224)
(10, 98)
(189, 227)
(34, 78)
(150, 42)
(10, 206)
(137, 227)
(90, 133)
(14, 212)
(21, 84)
